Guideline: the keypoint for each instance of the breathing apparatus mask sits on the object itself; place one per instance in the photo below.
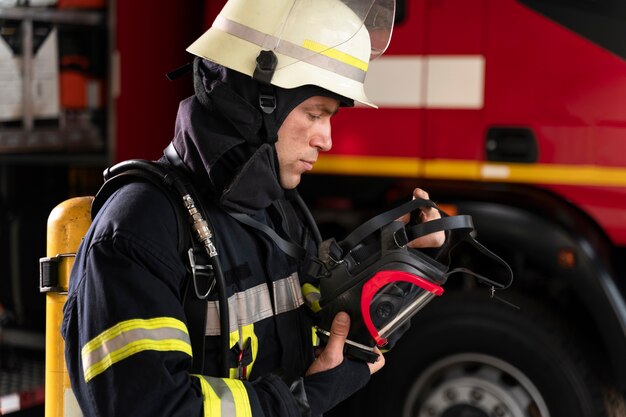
(381, 283)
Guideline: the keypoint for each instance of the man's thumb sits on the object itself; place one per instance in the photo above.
(332, 354)
(339, 331)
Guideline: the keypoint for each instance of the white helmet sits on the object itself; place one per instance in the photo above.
(327, 43)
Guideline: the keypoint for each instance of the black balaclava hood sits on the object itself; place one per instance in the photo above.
(222, 132)
(249, 89)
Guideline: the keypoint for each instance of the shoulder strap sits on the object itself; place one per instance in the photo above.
(195, 308)
(290, 248)
(116, 182)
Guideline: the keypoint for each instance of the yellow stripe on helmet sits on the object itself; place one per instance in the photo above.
(335, 54)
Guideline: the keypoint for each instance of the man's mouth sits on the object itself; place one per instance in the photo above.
(308, 165)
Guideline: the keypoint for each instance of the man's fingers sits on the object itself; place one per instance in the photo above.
(419, 193)
(433, 240)
(428, 213)
(380, 362)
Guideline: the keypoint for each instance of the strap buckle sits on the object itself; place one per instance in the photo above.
(267, 103)
(199, 270)
(49, 273)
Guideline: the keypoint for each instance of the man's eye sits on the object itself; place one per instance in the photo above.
(314, 116)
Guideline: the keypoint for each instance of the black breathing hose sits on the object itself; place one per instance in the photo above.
(200, 229)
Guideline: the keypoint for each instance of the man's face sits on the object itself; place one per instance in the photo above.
(304, 133)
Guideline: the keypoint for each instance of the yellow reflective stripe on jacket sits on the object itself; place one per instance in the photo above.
(315, 338)
(312, 297)
(224, 397)
(212, 404)
(248, 332)
(241, 336)
(130, 337)
(240, 395)
(234, 338)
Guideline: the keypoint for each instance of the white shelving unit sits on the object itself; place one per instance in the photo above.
(72, 138)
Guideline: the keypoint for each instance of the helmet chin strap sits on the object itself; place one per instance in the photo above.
(264, 72)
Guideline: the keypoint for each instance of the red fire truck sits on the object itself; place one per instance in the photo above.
(513, 112)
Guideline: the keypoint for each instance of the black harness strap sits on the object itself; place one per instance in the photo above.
(290, 248)
(118, 181)
(460, 228)
(195, 308)
(375, 223)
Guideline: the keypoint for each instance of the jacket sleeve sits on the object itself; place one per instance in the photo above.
(127, 345)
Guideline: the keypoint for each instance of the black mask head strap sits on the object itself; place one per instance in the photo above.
(266, 63)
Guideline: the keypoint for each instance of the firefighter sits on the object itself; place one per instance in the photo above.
(268, 77)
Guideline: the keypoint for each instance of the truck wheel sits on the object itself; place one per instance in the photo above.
(467, 355)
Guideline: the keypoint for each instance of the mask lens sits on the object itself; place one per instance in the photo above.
(387, 303)
(391, 298)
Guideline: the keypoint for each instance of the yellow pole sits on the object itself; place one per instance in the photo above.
(67, 224)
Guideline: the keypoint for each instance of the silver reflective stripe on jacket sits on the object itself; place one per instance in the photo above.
(287, 294)
(255, 304)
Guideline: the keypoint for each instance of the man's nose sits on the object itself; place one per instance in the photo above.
(322, 138)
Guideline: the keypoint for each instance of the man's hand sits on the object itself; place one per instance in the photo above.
(332, 354)
(433, 240)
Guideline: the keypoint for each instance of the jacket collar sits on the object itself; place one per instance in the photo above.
(218, 136)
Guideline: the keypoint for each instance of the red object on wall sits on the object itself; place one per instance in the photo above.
(151, 40)
(211, 9)
(81, 4)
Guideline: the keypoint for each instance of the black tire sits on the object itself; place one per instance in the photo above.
(467, 355)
